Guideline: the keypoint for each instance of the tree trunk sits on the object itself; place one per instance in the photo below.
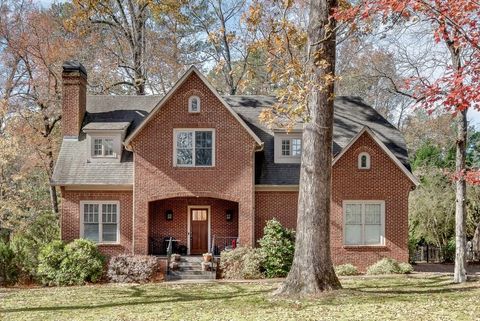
(53, 189)
(460, 275)
(476, 243)
(312, 269)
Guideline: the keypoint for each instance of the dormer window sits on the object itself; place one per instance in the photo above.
(292, 147)
(104, 141)
(364, 161)
(103, 147)
(288, 147)
(194, 104)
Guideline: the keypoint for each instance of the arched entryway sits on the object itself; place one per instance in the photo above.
(196, 224)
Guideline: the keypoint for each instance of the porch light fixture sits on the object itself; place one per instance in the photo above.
(229, 215)
(169, 215)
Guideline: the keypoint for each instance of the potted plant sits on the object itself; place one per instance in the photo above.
(207, 257)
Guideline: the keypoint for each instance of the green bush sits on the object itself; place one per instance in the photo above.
(346, 269)
(277, 247)
(448, 252)
(241, 263)
(75, 263)
(405, 268)
(83, 262)
(8, 269)
(389, 266)
(50, 261)
(27, 243)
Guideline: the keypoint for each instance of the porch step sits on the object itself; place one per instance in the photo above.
(190, 268)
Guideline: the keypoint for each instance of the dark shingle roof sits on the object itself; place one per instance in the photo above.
(351, 115)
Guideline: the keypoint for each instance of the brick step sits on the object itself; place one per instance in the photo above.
(189, 272)
(178, 277)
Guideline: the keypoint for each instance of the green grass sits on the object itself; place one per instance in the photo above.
(416, 298)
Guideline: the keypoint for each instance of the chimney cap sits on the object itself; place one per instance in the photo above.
(74, 65)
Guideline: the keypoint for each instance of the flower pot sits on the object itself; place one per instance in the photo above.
(176, 257)
(207, 257)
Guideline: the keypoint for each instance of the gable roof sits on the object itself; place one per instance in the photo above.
(351, 115)
(387, 151)
(190, 71)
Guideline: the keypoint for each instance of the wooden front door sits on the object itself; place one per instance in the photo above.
(198, 230)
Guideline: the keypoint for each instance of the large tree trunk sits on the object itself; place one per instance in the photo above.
(460, 209)
(312, 269)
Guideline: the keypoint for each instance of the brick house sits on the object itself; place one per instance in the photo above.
(201, 168)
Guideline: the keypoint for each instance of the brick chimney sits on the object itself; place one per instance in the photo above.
(74, 77)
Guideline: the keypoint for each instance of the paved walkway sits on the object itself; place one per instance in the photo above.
(444, 268)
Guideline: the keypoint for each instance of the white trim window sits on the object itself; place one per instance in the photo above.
(194, 147)
(288, 147)
(364, 222)
(292, 147)
(100, 221)
(102, 147)
(364, 161)
(194, 104)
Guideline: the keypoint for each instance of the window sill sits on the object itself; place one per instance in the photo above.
(354, 247)
(108, 244)
(194, 167)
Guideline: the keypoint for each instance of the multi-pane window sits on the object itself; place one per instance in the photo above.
(291, 147)
(199, 215)
(194, 104)
(296, 147)
(285, 147)
(364, 222)
(103, 147)
(100, 221)
(194, 147)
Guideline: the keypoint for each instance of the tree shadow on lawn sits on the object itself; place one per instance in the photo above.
(384, 293)
(400, 282)
(172, 296)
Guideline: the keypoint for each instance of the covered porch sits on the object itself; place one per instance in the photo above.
(196, 225)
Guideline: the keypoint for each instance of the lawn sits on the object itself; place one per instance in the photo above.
(418, 297)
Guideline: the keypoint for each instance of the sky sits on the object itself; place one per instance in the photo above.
(473, 115)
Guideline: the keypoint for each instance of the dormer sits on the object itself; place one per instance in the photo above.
(104, 141)
(288, 147)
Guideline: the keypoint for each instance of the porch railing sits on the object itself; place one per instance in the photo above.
(223, 243)
(169, 253)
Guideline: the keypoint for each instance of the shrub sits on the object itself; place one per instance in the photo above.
(389, 266)
(241, 263)
(49, 263)
(346, 269)
(8, 269)
(405, 268)
(448, 252)
(83, 262)
(132, 268)
(28, 241)
(75, 263)
(277, 247)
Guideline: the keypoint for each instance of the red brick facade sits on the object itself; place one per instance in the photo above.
(229, 185)
(384, 181)
(157, 178)
(177, 228)
(70, 218)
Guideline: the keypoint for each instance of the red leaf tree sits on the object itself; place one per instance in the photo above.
(454, 24)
